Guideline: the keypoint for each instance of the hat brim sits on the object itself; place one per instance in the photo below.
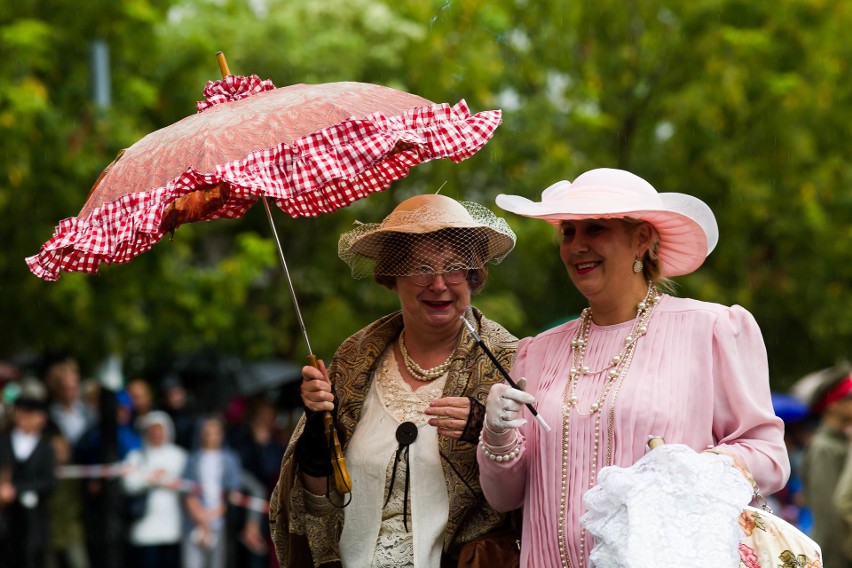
(369, 245)
(686, 225)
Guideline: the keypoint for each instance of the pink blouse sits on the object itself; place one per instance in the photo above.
(698, 377)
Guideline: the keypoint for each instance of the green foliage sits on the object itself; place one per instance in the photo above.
(745, 105)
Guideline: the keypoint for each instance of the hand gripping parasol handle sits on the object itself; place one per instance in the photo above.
(342, 481)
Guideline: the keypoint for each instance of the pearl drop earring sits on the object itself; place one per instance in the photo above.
(638, 265)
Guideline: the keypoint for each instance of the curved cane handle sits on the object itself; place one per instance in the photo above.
(342, 481)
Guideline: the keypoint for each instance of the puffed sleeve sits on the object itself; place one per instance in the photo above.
(744, 422)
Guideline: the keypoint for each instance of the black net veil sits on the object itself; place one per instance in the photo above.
(427, 232)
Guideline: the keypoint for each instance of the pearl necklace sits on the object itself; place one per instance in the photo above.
(618, 366)
(619, 363)
(418, 372)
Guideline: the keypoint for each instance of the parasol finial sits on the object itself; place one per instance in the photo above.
(223, 64)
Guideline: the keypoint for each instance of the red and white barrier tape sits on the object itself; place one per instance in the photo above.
(98, 471)
(111, 470)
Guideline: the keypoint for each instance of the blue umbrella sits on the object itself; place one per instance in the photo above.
(788, 408)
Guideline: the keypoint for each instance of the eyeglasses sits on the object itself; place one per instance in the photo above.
(425, 275)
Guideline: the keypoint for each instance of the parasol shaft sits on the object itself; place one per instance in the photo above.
(287, 274)
(342, 481)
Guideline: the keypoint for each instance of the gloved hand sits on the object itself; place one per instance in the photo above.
(502, 410)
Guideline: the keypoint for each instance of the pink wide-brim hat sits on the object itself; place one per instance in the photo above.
(687, 227)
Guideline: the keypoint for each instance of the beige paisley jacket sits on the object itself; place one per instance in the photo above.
(302, 539)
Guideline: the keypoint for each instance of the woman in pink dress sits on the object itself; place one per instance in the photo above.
(637, 363)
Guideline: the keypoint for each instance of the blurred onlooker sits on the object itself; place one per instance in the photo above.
(792, 506)
(824, 461)
(215, 470)
(155, 471)
(91, 394)
(257, 442)
(89, 445)
(67, 410)
(101, 495)
(799, 425)
(67, 539)
(260, 450)
(176, 404)
(27, 460)
(843, 501)
(10, 374)
(142, 397)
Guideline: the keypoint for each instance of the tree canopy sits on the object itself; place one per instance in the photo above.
(741, 104)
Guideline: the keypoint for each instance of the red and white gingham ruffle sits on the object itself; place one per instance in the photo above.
(318, 173)
(232, 88)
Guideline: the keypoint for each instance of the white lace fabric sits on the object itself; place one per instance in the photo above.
(391, 402)
(674, 507)
(404, 403)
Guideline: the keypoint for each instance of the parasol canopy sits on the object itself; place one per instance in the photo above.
(311, 149)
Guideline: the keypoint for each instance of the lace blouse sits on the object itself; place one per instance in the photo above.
(374, 534)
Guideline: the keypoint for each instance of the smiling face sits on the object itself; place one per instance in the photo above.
(599, 256)
(437, 306)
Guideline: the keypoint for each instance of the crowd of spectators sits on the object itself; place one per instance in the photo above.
(138, 477)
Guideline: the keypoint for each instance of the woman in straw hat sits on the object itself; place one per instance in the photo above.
(408, 392)
(636, 363)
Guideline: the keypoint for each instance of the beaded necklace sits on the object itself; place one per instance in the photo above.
(616, 371)
(418, 372)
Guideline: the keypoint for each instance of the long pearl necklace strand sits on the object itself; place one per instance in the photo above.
(616, 371)
(619, 363)
(418, 372)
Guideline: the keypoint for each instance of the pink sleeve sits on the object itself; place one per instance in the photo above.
(744, 422)
(504, 483)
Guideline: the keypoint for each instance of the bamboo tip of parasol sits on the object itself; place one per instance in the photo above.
(223, 64)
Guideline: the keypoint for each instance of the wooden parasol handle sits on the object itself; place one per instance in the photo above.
(223, 64)
(342, 481)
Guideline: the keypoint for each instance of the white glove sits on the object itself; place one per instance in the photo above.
(502, 409)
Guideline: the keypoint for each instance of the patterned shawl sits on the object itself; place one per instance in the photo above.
(302, 539)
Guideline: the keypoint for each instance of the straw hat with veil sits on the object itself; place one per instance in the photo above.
(383, 249)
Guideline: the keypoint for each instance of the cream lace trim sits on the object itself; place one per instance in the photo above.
(404, 403)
